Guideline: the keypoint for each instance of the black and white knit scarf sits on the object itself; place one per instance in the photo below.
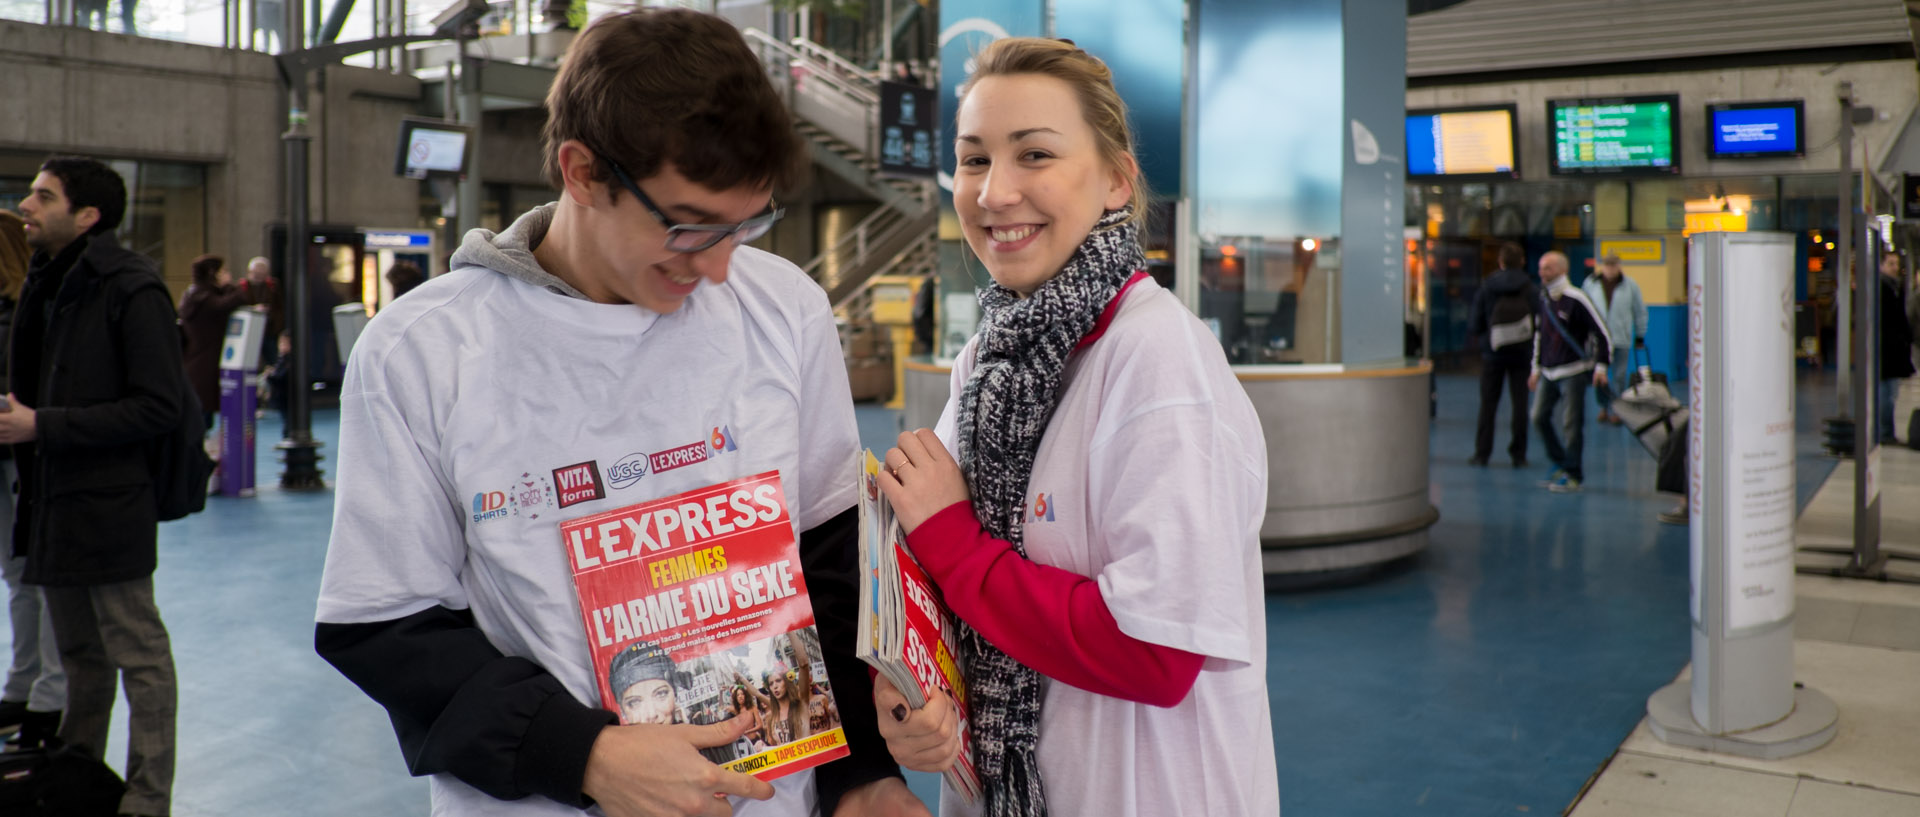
(1023, 345)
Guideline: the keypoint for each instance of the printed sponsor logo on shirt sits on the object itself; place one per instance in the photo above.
(490, 505)
(678, 457)
(1042, 508)
(579, 483)
(532, 494)
(627, 471)
(721, 440)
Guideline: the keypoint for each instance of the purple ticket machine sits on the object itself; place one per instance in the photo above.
(239, 394)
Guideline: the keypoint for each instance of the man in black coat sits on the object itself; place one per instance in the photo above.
(1504, 318)
(1896, 347)
(95, 364)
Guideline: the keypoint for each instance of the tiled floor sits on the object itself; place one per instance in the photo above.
(1858, 642)
(1493, 675)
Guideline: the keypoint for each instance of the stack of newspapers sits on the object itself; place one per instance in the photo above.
(906, 630)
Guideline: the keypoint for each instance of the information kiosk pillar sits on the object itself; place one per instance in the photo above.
(239, 395)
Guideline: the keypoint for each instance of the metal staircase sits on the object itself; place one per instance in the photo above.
(836, 105)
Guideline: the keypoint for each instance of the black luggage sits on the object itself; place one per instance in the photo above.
(1913, 430)
(59, 782)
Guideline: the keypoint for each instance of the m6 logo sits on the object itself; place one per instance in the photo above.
(1043, 508)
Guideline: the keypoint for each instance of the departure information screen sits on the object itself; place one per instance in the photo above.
(1461, 143)
(1754, 130)
(1633, 135)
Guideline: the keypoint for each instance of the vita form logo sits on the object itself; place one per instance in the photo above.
(1043, 508)
(578, 483)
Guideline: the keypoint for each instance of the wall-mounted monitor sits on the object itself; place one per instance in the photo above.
(1757, 130)
(1469, 143)
(1621, 136)
(432, 147)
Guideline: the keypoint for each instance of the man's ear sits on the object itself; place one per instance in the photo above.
(576, 172)
(85, 218)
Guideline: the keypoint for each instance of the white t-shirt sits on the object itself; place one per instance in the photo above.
(464, 398)
(1154, 476)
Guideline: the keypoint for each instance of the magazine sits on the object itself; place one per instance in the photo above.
(906, 631)
(696, 612)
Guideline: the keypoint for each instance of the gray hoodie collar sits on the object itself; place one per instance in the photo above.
(510, 253)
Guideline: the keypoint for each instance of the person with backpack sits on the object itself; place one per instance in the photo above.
(1618, 298)
(1562, 366)
(96, 383)
(1505, 316)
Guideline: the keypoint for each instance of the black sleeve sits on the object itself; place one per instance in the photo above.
(148, 344)
(1477, 315)
(829, 557)
(502, 725)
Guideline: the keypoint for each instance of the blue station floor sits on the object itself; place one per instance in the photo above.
(1493, 674)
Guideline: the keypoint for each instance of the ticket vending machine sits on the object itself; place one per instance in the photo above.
(239, 394)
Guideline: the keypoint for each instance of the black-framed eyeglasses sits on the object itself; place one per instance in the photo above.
(697, 237)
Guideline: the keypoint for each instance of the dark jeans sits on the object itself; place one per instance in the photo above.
(1573, 424)
(111, 635)
(1495, 372)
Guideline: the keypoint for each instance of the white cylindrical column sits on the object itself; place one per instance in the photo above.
(1741, 698)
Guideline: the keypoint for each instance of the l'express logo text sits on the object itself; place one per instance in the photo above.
(647, 527)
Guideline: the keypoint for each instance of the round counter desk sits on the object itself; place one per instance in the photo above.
(1346, 460)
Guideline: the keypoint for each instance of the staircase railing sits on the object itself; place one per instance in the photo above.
(820, 53)
(846, 107)
(860, 253)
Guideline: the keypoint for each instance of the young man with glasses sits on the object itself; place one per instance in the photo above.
(535, 382)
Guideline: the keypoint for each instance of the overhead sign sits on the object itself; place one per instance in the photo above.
(1635, 250)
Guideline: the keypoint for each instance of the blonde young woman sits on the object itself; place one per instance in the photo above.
(1091, 501)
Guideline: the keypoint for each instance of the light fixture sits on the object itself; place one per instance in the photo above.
(1309, 245)
(1829, 245)
(1228, 250)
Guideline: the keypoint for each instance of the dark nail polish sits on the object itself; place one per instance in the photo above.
(899, 712)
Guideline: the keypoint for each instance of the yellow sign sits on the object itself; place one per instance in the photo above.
(1636, 250)
(1716, 222)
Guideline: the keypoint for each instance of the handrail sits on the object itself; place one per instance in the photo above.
(827, 55)
(922, 262)
(864, 234)
(869, 96)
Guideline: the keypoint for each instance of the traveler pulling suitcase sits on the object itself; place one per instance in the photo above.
(1649, 410)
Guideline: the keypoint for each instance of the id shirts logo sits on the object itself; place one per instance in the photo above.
(490, 505)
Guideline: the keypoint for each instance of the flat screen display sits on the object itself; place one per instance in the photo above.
(1637, 135)
(427, 148)
(1756, 130)
(1463, 143)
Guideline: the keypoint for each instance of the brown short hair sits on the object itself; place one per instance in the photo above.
(1092, 83)
(652, 86)
(1512, 257)
(206, 269)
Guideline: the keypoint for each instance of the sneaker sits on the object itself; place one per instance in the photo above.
(1676, 516)
(1565, 485)
(1478, 462)
(1553, 477)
